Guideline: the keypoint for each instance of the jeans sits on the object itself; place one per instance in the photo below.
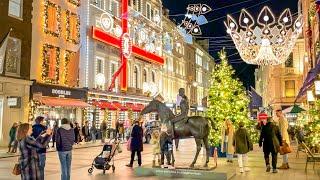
(242, 160)
(65, 158)
(42, 164)
(285, 159)
(132, 157)
(274, 159)
(93, 137)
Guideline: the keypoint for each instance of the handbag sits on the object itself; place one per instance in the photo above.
(129, 144)
(16, 169)
(285, 148)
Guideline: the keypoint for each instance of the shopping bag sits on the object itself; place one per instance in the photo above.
(285, 148)
(129, 144)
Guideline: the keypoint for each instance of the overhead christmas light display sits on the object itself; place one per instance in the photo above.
(193, 19)
(270, 41)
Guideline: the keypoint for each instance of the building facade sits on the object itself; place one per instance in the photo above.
(55, 61)
(15, 74)
(279, 85)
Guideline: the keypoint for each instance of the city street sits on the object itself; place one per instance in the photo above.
(82, 159)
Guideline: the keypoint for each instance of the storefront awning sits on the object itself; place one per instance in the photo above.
(104, 105)
(133, 107)
(65, 102)
(120, 106)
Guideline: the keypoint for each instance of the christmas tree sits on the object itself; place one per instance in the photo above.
(227, 99)
(313, 127)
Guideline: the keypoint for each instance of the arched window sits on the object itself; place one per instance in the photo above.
(144, 75)
(153, 76)
(135, 76)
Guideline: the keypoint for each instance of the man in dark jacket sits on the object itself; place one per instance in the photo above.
(85, 131)
(64, 142)
(37, 129)
(271, 138)
(136, 143)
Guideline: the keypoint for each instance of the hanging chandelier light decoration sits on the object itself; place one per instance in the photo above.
(270, 41)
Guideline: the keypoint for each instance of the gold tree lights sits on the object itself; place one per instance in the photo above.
(266, 40)
(227, 99)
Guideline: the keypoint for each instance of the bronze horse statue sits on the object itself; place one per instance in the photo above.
(194, 126)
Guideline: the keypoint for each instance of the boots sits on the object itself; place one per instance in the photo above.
(153, 163)
(284, 166)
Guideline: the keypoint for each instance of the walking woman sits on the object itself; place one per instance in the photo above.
(12, 134)
(136, 145)
(29, 158)
(227, 140)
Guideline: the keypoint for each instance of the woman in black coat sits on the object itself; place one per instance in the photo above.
(136, 143)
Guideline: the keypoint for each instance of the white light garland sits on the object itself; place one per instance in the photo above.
(268, 43)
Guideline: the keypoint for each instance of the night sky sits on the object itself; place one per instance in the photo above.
(217, 31)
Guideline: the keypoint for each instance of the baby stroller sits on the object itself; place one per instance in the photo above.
(103, 160)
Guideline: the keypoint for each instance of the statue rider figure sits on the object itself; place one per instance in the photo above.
(183, 103)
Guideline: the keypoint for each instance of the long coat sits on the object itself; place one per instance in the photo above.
(283, 125)
(29, 158)
(136, 138)
(230, 148)
(241, 141)
(270, 137)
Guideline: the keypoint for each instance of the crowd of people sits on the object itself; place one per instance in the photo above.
(274, 139)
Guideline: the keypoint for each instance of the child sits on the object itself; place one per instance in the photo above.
(155, 141)
(243, 145)
(166, 146)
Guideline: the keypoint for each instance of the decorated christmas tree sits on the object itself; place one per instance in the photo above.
(312, 127)
(227, 100)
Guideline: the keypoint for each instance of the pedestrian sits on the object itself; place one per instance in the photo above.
(121, 131)
(93, 132)
(103, 128)
(38, 129)
(271, 138)
(117, 129)
(136, 145)
(29, 157)
(227, 140)
(243, 145)
(12, 148)
(55, 127)
(85, 131)
(166, 147)
(283, 125)
(77, 133)
(65, 139)
(155, 141)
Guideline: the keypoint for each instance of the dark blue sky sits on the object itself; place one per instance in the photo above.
(217, 29)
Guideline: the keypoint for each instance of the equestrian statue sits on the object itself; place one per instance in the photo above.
(182, 126)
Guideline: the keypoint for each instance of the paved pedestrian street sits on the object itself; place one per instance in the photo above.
(82, 158)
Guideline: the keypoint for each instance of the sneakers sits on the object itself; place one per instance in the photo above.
(241, 170)
(274, 171)
(268, 168)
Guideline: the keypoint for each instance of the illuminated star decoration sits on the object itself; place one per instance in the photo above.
(192, 21)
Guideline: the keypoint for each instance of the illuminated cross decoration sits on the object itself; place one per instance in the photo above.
(124, 43)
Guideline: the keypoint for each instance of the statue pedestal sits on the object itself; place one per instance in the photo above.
(185, 172)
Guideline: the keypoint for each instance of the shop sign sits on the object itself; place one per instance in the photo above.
(14, 102)
(57, 91)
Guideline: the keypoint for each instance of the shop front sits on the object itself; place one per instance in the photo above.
(57, 102)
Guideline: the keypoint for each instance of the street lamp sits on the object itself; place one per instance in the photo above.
(100, 80)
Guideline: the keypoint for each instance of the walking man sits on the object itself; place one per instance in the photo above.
(64, 142)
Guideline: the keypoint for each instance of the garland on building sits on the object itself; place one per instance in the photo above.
(227, 100)
(69, 14)
(75, 2)
(67, 59)
(33, 105)
(46, 64)
(48, 4)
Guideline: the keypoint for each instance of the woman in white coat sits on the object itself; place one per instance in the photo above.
(227, 134)
(283, 125)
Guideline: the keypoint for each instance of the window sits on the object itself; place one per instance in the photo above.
(144, 75)
(13, 56)
(148, 13)
(136, 77)
(170, 64)
(114, 8)
(98, 3)
(206, 65)
(153, 76)
(50, 64)
(52, 19)
(199, 77)
(73, 27)
(289, 61)
(99, 65)
(138, 5)
(290, 88)
(15, 8)
(156, 16)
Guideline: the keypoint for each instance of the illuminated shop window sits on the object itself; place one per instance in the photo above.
(50, 64)
(290, 88)
(52, 13)
(73, 27)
